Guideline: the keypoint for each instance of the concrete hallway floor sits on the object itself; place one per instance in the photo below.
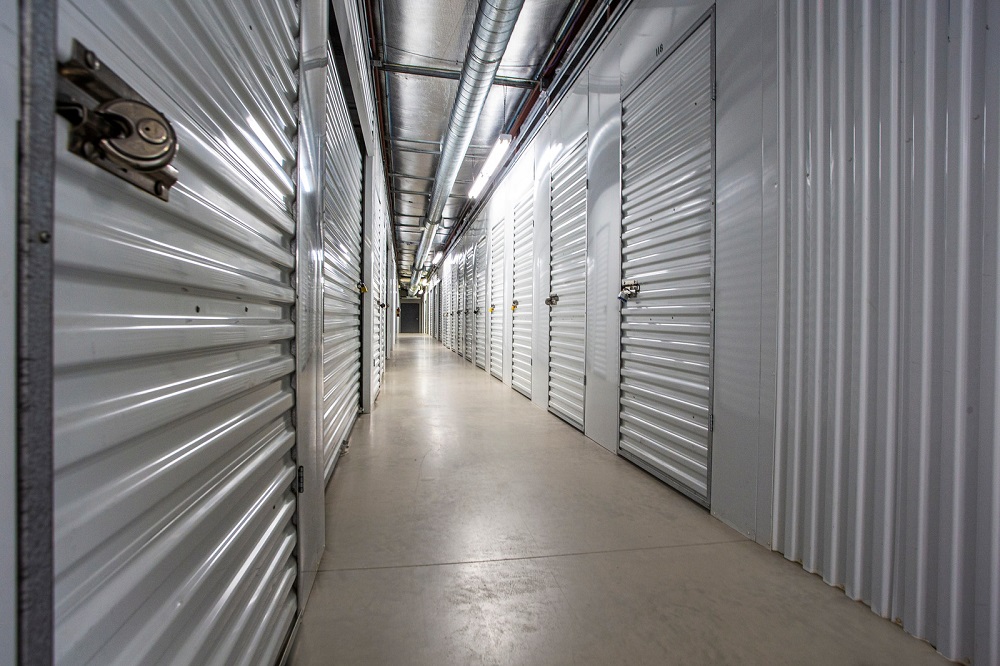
(467, 526)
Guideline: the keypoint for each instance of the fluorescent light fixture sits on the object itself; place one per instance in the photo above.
(491, 164)
(437, 258)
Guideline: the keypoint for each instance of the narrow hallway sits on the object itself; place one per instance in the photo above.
(466, 525)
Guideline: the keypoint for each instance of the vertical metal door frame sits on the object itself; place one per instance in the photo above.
(35, 221)
(311, 513)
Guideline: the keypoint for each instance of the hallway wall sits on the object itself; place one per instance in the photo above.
(855, 289)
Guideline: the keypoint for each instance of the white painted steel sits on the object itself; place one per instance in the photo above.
(343, 227)
(480, 308)
(887, 458)
(174, 534)
(524, 224)
(469, 306)
(460, 303)
(9, 108)
(568, 282)
(379, 297)
(497, 307)
(667, 236)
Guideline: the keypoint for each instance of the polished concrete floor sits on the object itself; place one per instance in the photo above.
(467, 526)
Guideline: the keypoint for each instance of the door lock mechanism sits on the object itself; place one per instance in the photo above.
(552, 299)
(513, 306)
(630, 289)
(113, 126)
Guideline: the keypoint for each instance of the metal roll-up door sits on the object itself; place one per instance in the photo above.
(460, 306)
(496, 298)
(668, 220)
(480, 305)
(379, 296)
(469, 332)
(524, 224)
(568, 284)
(174, 535)
(343, 228)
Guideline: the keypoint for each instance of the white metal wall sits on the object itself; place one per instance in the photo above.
(667, 239)
(343, 227)
(521, 305)
(886, 475)
(568, 283)
(481, 308)
(497, 308)
(173, 329)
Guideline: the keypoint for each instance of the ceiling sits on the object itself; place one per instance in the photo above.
(418, 50)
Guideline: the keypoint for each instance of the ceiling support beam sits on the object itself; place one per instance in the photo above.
(453, 74)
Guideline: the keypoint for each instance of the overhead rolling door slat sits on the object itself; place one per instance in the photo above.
(174, 530)
(343, 228)
(480, 309)
(568, 279)
(469, 306)
(497, 306)
(668, 221)
(521, 320)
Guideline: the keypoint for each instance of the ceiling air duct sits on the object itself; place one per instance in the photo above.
(495, 21)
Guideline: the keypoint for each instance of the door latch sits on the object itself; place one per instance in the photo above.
(113, 126)
(630, 289)
(552, 299)
(513, 306)
(362, 288)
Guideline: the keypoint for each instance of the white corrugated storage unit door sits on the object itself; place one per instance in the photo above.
(173, 331)
(343, 228)
(668, 219)
(378, 298)
(524, 223)
(568, 285)
(456, 300)
(479, 311)
(460, 306)
(469, 333)
(496, 298)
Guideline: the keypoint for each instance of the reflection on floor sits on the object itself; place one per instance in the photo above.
(467, 526)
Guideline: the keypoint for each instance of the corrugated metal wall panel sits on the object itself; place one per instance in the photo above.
(496, 298)
(343, 228)
(887, 267)
(469, 330)
(480, 307)
(568, 283)
(174, 535)
(523, 291)
(668, 220)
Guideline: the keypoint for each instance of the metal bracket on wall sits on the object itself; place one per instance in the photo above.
(113, 127)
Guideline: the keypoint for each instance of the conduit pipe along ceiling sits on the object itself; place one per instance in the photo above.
(445, 99)
(494, 25)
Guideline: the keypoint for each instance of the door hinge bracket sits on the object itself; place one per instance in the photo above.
(113, 126)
